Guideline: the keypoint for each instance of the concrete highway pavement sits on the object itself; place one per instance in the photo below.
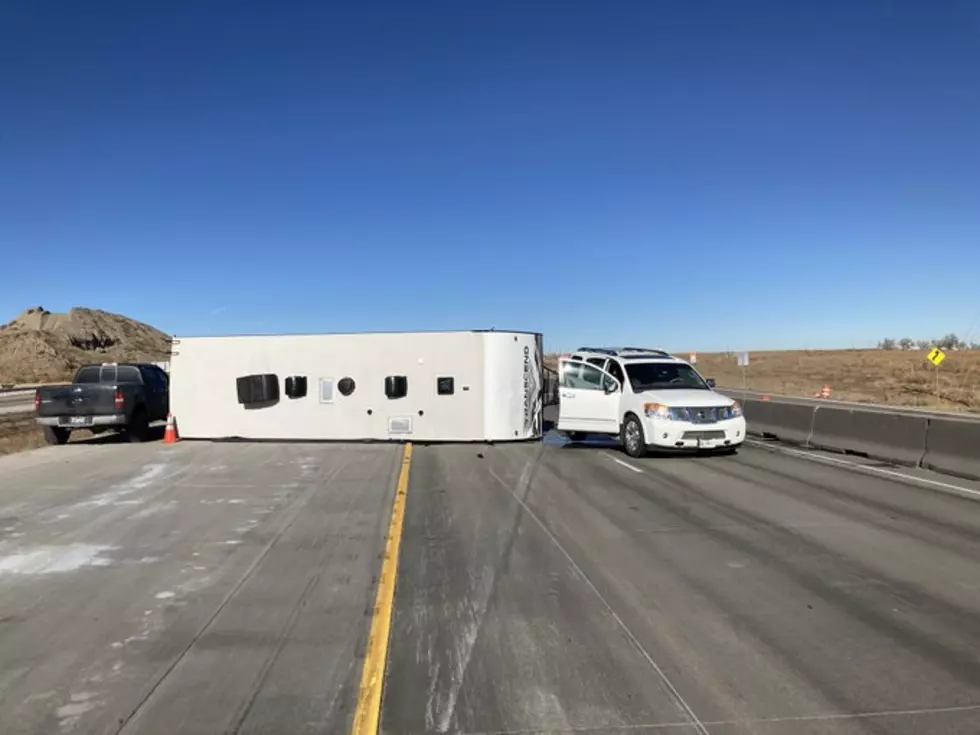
(204, 588)
(192, 588)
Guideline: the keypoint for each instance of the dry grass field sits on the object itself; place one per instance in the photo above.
(19, 432)
(895, 377)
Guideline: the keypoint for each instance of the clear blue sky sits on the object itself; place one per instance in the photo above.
(691, 174)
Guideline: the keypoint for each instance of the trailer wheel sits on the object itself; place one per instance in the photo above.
(56, 435)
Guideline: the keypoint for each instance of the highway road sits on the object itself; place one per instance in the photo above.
(542, 588)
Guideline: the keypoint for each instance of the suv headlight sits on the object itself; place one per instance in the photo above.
(668, 413)
(731, 412)
(656, 411)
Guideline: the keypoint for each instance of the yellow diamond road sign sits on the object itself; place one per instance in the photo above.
(936, 356)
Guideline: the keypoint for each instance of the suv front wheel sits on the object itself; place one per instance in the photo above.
(631, 436)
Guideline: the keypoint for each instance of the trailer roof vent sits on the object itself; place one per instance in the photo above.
(396, 386)
(296, 386)
(258, 389)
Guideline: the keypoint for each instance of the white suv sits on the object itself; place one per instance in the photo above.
(646, 397)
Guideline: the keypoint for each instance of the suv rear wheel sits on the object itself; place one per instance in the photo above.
(631, 436)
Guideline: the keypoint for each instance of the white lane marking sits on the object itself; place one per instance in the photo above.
(855, 465)
(627, 465)
(751, 721)
(698, 725)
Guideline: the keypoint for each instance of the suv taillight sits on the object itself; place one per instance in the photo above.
(37, 400)
(119, 399)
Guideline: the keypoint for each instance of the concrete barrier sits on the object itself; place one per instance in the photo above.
(953, 447)
(889, 437)
(789, 422)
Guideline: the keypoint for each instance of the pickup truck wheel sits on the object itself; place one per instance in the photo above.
(632, 437)
(138, 428)
(56, 434)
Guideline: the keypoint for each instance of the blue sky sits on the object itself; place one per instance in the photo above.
(702, 175)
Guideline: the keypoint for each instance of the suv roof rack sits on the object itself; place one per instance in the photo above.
(624, 351)
(645, 350)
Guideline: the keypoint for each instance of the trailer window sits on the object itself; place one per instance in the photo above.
(326, 390)
(445, 386)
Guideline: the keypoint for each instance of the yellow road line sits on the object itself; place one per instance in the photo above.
(368, 713)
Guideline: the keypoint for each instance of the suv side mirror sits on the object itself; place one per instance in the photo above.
(611, 387)
(711, 382)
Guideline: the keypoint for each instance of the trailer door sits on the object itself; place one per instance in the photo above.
(588, 398)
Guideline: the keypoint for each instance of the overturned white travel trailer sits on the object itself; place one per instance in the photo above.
(422, 386)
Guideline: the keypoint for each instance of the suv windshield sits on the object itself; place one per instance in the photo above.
(663, 375)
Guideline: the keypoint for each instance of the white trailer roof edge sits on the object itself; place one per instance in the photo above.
(357, 333)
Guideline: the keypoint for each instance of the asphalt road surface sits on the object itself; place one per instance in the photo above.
(542, 588)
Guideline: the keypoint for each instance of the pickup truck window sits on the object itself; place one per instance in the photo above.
(88, 374)
(108, 374)
(125, 374)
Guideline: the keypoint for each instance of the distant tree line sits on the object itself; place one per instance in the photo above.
(949, 342)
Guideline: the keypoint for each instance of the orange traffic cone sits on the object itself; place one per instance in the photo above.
(170, 433)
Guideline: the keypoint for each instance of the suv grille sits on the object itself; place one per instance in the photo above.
(703, 435)
(703, 414)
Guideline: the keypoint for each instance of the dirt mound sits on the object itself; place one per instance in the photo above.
(41, 347)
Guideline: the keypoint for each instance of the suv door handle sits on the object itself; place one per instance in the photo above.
(567, 395)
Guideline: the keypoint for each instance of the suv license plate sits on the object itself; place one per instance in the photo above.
(79, 420)
(706, 443)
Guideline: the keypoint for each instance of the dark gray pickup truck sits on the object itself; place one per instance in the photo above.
(123, 396)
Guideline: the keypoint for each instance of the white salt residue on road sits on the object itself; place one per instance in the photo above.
(52, 559)
(115, 495)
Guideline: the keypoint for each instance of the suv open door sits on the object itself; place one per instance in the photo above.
(588, 398)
